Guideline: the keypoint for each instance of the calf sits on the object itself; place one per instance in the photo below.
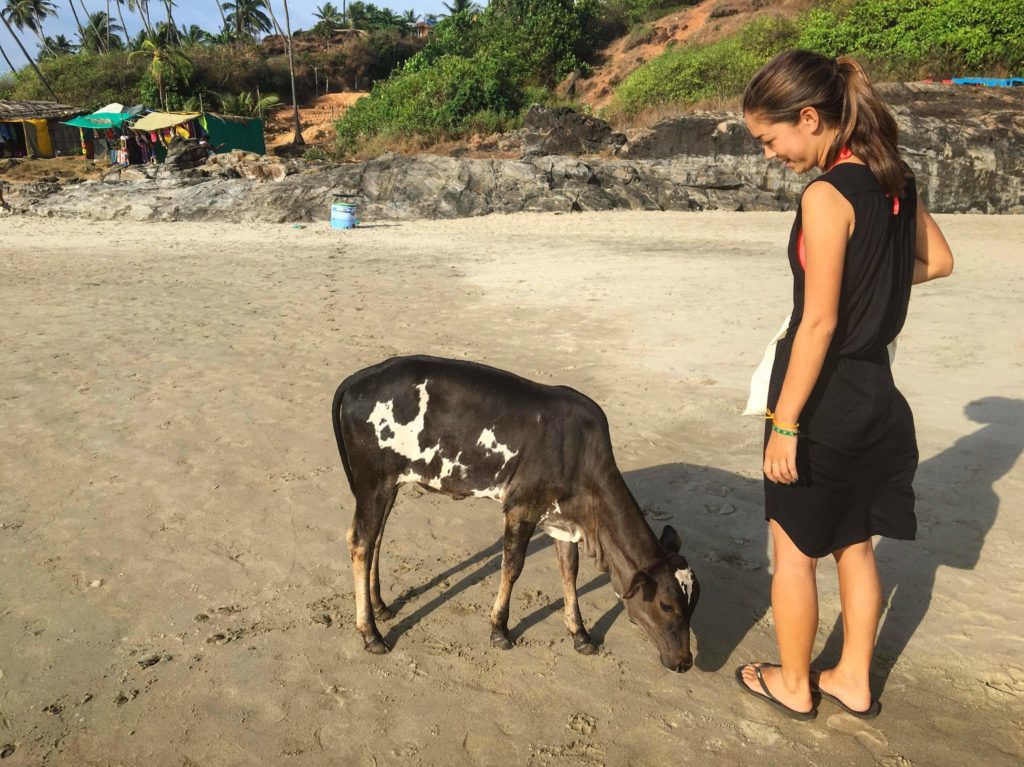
(543, 452)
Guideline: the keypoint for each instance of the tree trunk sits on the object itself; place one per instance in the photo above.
(297, 140)
(78, 23)
(223, 18)
(124, 27)
(108, 24)
(7, 59)
(173, 30)
(39, 74)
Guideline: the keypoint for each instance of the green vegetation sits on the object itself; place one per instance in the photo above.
(895, 39)
(908, 38)
(475, 73)
(697, 73)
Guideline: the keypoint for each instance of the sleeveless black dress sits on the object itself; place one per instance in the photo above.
(857, 449)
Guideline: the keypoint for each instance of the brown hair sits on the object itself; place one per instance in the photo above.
(841, 92)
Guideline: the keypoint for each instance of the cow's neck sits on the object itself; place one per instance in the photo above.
(616, 533)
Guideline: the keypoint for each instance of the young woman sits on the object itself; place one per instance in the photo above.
(840, 448)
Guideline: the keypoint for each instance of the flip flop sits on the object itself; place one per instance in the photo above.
(767, 696)
(870, 712)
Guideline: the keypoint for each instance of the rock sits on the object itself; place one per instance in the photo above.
(562, 130)
(695, 162)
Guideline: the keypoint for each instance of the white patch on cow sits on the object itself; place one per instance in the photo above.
(405, 437)
(409, 476)
(490, 443)
(685, 578)
(559, 527)
(494, 493)
(448, 467)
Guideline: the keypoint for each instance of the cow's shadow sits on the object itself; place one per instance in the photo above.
(719, 515)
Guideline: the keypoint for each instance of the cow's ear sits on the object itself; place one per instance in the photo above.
(638, 580)
(670, 540)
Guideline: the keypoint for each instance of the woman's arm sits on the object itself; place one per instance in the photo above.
(933, 257)
(828, 221)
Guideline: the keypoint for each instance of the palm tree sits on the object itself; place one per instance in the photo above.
(193, 35)
(246, 104)
(57, 46)
(101, 34)
(223, 18)
(28, 57)
(248, 17)
(297, 139)
(164, 62)
(356, 15)
(328, 15)
(461, 6)
(29, 14)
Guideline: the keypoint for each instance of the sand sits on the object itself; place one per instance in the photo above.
(174, 583)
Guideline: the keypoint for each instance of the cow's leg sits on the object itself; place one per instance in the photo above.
(371, 508)
(569, 564)
(381, 611)
(517, 536)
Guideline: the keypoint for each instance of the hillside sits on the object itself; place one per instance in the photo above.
(704, 22)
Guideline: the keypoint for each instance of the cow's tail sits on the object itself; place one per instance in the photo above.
(336, 419)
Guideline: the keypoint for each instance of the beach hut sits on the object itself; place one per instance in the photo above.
(33, 129)
(105, 128)
(224, 133)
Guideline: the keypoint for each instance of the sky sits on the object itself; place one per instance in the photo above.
(186, 12)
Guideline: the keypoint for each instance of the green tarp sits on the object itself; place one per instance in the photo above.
(227, 133)
(99, 120)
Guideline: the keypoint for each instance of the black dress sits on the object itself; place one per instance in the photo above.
(857, 449)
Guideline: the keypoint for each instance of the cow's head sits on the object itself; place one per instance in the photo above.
(660, 598)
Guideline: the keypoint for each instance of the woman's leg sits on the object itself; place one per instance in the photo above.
(795, 613)
(860, 594)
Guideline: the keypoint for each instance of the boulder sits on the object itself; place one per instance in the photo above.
(562, 130)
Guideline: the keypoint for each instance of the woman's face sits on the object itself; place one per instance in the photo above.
(801, 146)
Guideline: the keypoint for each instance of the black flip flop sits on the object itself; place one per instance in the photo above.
(767, 696)
(869, 713)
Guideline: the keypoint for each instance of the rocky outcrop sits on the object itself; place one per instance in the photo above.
(695, 162)
(400, 187)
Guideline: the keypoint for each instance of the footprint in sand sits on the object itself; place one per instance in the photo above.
(869, 737)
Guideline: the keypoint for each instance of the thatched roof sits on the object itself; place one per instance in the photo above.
(36, 110)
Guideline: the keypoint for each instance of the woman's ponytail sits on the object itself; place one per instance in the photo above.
(841, 92)
(868, 128)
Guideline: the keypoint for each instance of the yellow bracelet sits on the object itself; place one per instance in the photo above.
(770, 416)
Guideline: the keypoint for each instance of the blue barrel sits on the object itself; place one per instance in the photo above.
(343, 215)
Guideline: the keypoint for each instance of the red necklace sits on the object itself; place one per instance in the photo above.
(844, 154)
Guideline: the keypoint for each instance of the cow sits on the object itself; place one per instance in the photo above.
(543, 452)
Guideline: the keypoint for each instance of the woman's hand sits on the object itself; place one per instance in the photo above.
(780, 458)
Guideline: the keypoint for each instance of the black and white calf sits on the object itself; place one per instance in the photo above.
(543, 452)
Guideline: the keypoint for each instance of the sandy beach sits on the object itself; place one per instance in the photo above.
(175, 587)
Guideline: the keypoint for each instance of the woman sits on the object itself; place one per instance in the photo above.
(840, 449)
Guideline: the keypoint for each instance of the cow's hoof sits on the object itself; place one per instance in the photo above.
(376, 646)
(383, 613)
(501, 640)
(584, 646)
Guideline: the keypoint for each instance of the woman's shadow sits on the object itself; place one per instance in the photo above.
(957, 506)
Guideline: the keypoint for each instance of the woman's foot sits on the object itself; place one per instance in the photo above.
(797, 699)
(855, 695)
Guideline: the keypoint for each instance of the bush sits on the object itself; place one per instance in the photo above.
(439, 101)
(696, 73)
(903, 37)
(86, 80)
